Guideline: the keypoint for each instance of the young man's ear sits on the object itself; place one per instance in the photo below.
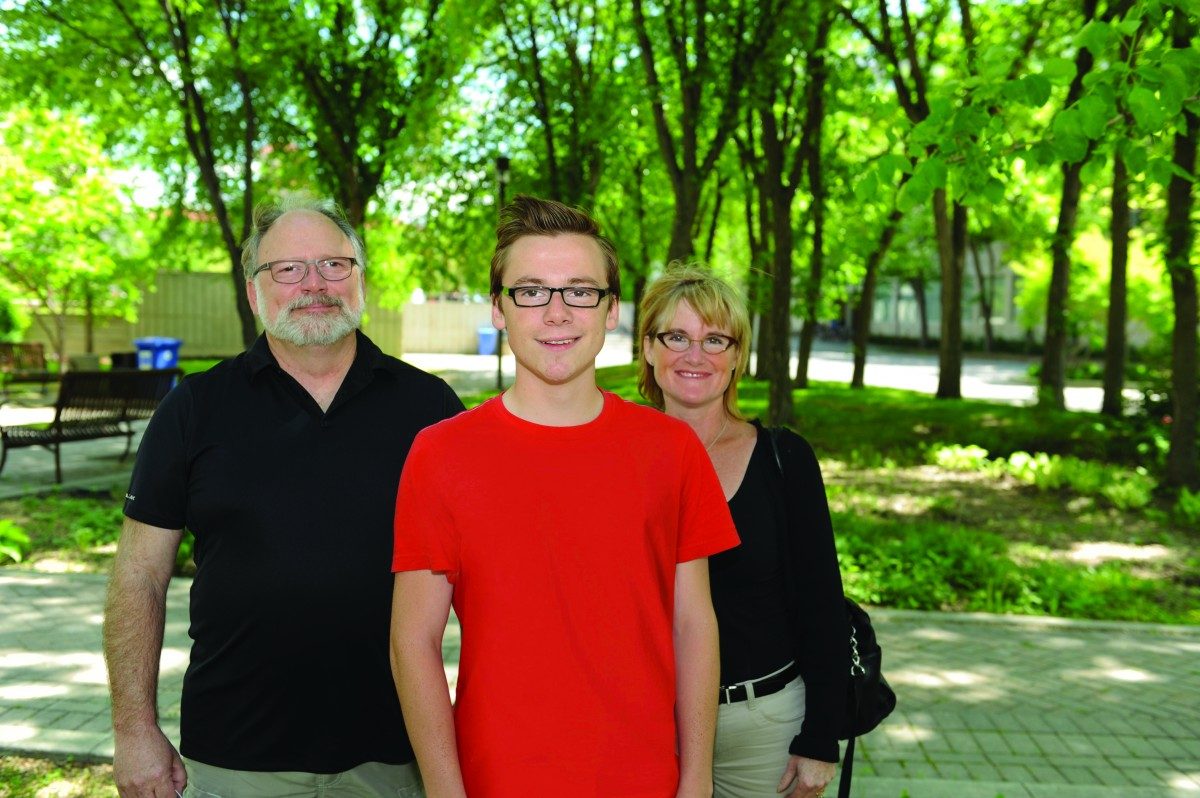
(497, 314)
(614, 315)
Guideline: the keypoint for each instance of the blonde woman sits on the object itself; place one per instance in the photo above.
(778, 596)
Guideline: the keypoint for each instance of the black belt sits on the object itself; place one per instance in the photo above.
(764, 686)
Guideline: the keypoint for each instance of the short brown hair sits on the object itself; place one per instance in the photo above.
(531, 216)
(714, 300)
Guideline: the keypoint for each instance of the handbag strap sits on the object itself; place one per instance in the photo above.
(847, 770)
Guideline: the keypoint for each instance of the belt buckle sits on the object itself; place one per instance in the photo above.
(727, 699)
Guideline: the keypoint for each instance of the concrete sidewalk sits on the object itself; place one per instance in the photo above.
(988, 706)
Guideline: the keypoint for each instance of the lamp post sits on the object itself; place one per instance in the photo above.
(502, 165)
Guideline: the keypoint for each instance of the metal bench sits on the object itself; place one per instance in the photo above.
(24, 363)
(92, 405)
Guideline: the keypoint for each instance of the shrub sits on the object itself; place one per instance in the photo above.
(954, 457)
(1187, 508)
(14, 543)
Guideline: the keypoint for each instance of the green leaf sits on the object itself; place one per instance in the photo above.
(1094, 114)
(866, 189)
(993, 191)
(1067, 123)
(932, 170)
(1096, 37)
(1037, 90)
(1070, 147)
(913, 194)
(1059, 71)
(1128, 27)
(1159, 170)
(893, 164)
(1135, 154)
(1146, 109)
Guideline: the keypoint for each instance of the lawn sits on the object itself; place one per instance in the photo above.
(938, 505)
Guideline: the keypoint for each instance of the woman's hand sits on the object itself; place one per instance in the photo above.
(805, 778)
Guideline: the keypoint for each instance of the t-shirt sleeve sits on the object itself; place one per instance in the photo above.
(705, 526)
(425, 536)
(157, 492)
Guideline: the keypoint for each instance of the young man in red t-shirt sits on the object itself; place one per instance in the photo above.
(569, 529)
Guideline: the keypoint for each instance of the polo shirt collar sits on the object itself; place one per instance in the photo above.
(367, 357)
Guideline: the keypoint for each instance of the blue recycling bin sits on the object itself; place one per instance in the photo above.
(156, 352)
(489, 338)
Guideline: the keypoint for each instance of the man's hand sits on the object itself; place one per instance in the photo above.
(146, 765)
(806, 778)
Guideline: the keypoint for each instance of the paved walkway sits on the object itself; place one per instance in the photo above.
(988, 706)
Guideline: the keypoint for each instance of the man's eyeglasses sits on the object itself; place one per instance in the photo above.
(713, 344)
(535, 296)
(294, 271)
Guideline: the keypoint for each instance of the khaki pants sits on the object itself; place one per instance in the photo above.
(369, 780)
(753, 736)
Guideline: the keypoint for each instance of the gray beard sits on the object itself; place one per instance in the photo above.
(324, 330)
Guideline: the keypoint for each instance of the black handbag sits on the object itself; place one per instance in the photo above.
(869, 698)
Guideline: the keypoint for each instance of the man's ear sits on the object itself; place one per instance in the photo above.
(497, 314)
(252, 296)
(613, 316)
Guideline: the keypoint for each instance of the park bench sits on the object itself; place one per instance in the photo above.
(23, 363)
(93, 405)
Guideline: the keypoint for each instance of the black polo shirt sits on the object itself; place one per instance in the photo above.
(292, 511)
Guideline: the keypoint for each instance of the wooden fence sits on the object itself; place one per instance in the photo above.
(198, 308)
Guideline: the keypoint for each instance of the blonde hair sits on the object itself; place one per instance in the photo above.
(715, 301)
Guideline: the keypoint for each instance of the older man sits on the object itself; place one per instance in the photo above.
(283, 462)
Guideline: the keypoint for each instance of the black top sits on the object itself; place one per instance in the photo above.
(747, 580)
(813, 626)
(292, 510)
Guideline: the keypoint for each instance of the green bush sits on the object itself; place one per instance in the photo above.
(14, 543)
(1125, 489)
(937, 566)
(1187, 508)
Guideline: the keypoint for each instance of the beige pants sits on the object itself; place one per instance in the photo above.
(369, 780)
(753, 736)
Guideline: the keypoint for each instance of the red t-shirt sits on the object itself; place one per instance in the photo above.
(561, 544)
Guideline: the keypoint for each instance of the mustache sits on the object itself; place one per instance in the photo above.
(314, 299)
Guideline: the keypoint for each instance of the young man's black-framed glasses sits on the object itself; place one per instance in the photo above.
(536, 296)
(293, 270)
(713, 344)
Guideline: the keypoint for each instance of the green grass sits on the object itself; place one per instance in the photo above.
(918, 536)
(923, 521)
(25, 777)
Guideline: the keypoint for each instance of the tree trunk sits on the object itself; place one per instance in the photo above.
(1115, 343)
(1052, 380)
(918, 286)
(951, 238)
(985, 295)
(89, 322)
(763, 278)
(779, 396)
(810, 153)
(861, 315)
(687, 205)
(1182, 468)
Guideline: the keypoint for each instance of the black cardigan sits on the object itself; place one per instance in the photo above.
(813, 584)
